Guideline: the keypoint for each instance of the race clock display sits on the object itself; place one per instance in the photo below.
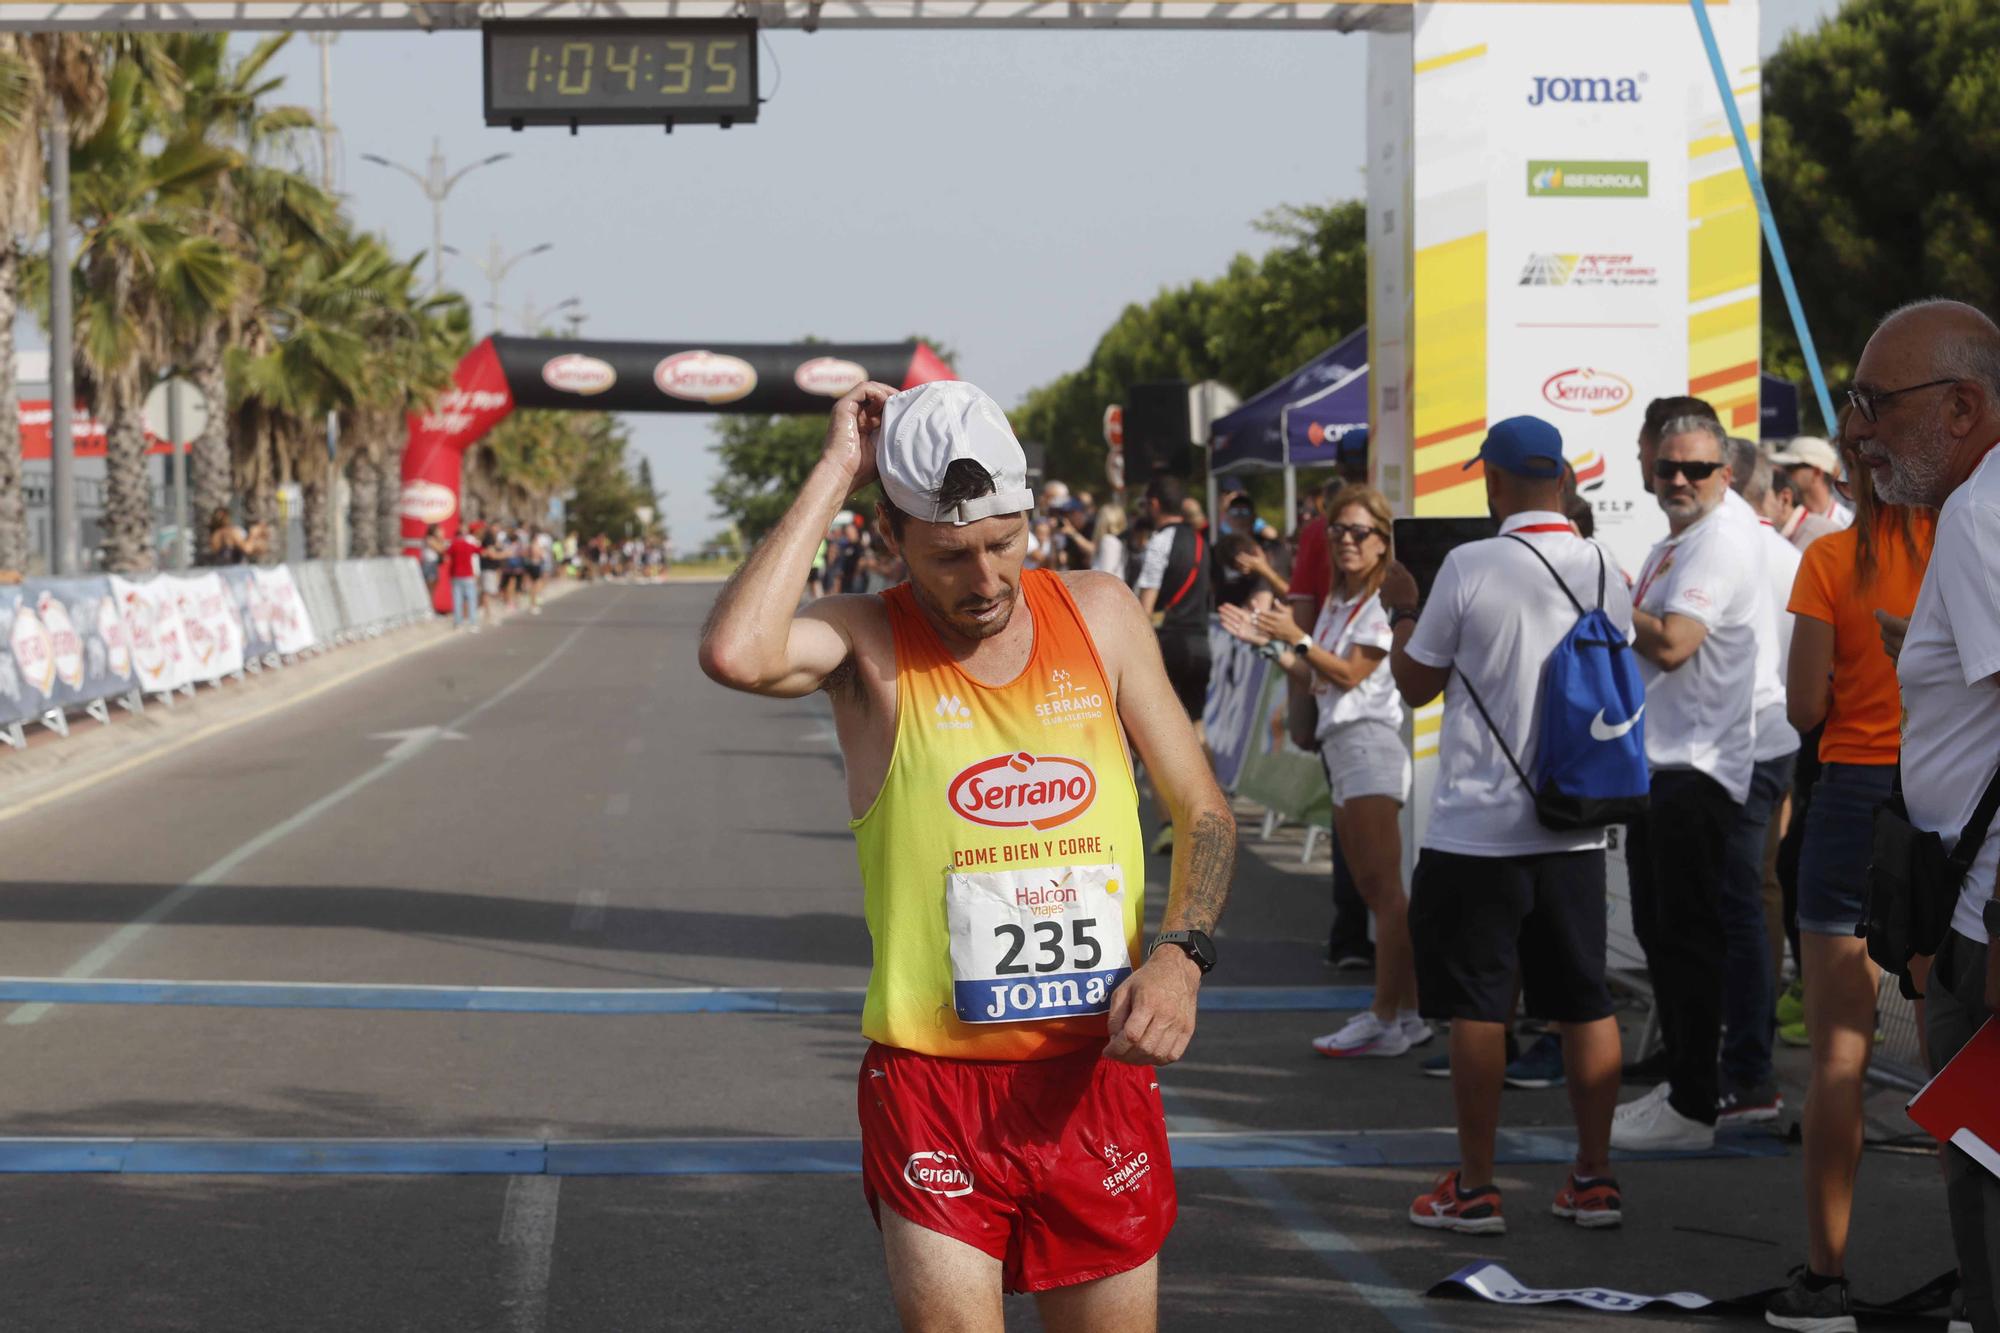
(621, 72)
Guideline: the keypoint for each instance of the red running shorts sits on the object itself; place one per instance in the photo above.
(1057, 1168)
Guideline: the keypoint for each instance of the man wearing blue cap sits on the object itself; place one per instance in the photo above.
(1495, 894)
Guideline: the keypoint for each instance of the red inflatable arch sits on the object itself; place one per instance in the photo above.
(504, 373)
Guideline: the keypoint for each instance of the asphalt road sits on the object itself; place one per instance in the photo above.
(596, 814)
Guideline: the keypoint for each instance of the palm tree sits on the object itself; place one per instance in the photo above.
(20, 211)
(145, 271)
(222, 102)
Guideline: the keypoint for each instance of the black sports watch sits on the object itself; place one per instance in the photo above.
(1990, 914)
(1194, 943)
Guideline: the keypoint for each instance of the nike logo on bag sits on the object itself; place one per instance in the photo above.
(1601, 731)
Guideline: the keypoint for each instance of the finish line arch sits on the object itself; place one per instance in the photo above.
(504, 373)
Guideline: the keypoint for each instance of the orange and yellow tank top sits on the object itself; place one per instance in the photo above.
(1002, 860)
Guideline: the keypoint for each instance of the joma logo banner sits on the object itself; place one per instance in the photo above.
(1547, 90)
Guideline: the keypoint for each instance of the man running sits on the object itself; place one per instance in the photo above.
(1012, 1133)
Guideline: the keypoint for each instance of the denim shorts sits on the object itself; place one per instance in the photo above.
(1840, 837)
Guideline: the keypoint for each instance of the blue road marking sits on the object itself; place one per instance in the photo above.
(1229, 1151)
(569, 1000)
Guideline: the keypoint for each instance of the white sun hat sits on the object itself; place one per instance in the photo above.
(927, 429)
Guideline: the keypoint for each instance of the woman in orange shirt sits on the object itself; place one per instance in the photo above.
(1839, 673)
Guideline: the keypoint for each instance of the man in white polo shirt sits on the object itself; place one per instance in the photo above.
(1495, 894)
(1812, 464)
(1698, 608)
(1749, 1087)
(1926, 418)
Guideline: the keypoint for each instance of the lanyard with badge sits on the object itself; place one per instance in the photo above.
(1037, 942)
(1320, 684)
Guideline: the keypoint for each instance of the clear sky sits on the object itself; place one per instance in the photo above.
(1005, 193)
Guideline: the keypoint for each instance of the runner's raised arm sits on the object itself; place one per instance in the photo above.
(756, 639)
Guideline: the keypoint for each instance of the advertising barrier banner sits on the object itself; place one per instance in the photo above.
(214, 635)
(253, 610)
(14, 706)
(291, 625)
(60, 648)
(152, 619)
(1228, 716)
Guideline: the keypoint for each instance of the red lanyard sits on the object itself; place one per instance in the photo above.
(1543, 527)
(1652, 572)
(1329, 646)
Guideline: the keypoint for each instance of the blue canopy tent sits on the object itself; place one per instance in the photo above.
(1314, 417)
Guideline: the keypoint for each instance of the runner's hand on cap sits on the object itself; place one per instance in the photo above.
(1152, 1012)
(853, 431)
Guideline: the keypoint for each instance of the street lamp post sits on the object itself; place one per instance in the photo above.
(436, 183)
(532, 315)
(496, 266)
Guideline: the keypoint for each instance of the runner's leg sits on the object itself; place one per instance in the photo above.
(1125, 1302)
(941, 1285)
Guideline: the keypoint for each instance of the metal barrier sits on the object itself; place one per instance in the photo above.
(77, 645)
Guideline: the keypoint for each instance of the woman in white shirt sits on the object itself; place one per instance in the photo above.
(1104, 548)
(1346, 660)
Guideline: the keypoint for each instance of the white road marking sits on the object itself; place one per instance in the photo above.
(134, 930)
(414, 738)
(528, 1232)
(589, 914)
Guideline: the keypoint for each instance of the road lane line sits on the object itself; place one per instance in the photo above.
(133, 931)
(1244, 1155)
(589, 914)
(1402, 1308)
(528, 1232)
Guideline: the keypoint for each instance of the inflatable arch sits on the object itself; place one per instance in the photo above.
(503, 373)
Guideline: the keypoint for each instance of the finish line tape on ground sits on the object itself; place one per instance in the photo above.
(570, 1000)
(737, 1157)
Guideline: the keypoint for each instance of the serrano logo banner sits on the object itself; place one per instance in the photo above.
(828, 376)
(705, 377)
(1023, 791)
(579, 374)
(1582, 389)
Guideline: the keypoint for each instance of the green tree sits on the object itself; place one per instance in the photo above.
(1882, 161)
(763, 462)
(606, 499)
(1262, 318)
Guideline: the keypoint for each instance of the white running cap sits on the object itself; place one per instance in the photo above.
(1812, 451)
(927, 429)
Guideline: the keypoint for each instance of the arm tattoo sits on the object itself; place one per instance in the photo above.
(1203, 885)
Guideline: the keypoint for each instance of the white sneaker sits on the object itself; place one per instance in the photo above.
(1660, 1128)
(1632, 1110)
(1364, 1034)
(1414, 1027)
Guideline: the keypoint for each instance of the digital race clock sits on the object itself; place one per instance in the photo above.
(621, 72)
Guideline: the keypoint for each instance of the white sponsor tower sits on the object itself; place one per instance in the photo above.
(1559, 224)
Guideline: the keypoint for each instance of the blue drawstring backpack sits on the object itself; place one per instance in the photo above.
(1591, 768)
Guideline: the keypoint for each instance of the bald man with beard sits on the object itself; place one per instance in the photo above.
(1926, 418)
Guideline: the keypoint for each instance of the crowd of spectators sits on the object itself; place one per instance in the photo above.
(1820, 617)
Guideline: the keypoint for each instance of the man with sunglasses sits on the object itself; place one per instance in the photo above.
(1926, 418)
(1698, 608)
(1814, 467)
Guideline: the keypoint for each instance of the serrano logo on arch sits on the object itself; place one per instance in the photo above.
(828, 376)
(575, 373)
(705, 377)
(1023, 791)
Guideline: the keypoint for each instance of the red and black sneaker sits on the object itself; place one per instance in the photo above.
(1448, 1208)
(1590, 1201)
